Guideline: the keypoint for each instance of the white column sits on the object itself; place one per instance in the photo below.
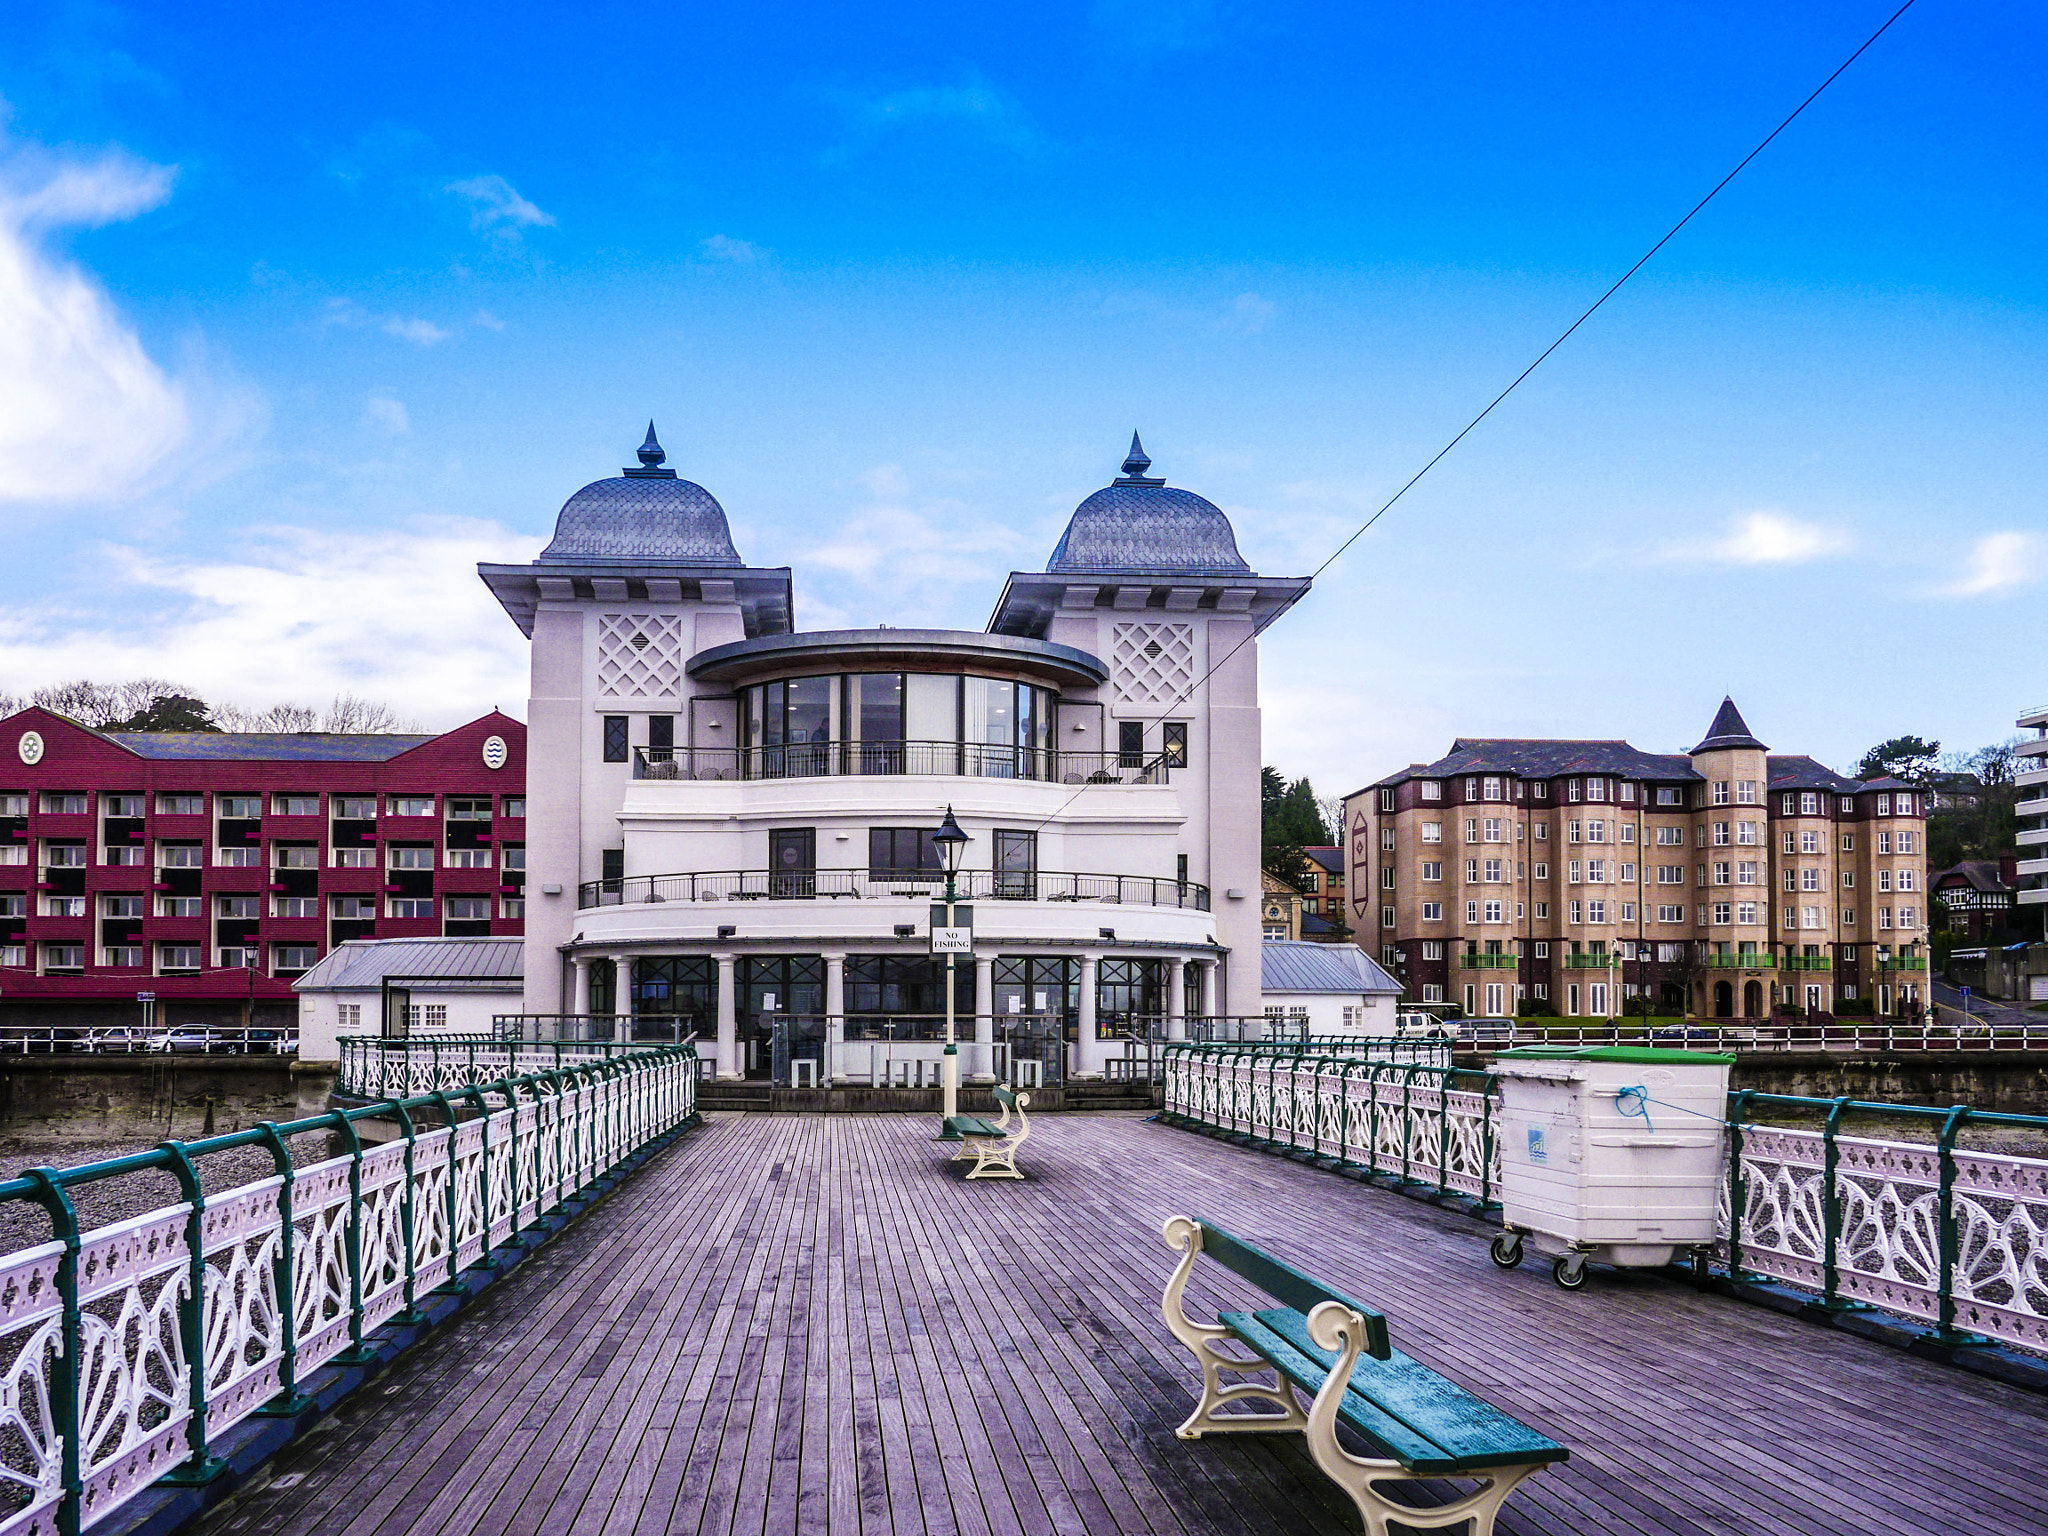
(835, 1017)
(580, 998)
(728, 1019)
(1088, 1056)
(982, 1068)
(1208, 968)
(622, 996)
(1176, 999)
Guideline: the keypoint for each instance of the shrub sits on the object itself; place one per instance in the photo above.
(1855, 1007)
(1536, 1008)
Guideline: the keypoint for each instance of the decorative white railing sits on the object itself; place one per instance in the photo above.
(128, 1350)
(376, 1068)
(1930, 1230)
(1424, 1124)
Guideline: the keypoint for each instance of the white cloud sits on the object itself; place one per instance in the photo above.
(496, 207)
(488, 321)
(383, 411)
(974, 106)
(299, 615)
(85, 413)
(421, 333)
(1999, 562)
(1249, 314)
(1767, 538)
(725, 248)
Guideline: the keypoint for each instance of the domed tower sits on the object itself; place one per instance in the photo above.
(1148, 577)
(640, 575)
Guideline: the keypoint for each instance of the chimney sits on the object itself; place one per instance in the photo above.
(2009, 868)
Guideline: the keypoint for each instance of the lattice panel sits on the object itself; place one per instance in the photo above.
(1152, 663)
(639, 655)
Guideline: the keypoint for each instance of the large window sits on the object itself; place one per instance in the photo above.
(1016, 863)
(890, 722)
(895, 852)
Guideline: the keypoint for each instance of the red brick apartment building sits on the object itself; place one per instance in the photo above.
(211, 869)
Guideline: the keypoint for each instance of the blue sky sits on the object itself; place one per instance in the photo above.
(302, 316)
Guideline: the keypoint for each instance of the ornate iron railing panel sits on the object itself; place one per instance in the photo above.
(126, 1351)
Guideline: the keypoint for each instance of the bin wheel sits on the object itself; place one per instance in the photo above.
(1702, 1269)
(1569, 1271)
(1506, 1249)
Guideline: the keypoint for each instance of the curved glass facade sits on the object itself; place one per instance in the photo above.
(898, 722)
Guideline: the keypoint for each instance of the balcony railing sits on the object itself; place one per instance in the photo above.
(1602, 962)
(869, 759)
(1744, 960)
(1807, 963)
(880, 885)
(1903, 963)
(1477, 962)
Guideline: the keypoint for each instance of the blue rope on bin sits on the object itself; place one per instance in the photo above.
(1634, 1103)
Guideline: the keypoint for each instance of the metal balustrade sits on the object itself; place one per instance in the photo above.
(132, 1348)
(882, 885)
(1935, 1231)
(889, 759)
(376, 1068)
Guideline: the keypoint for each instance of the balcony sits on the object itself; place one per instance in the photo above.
(866, 885)
(2032, 866)
(1591, 962)
(1746, 960)
(2031, 837)
(1477, 962)
(896, 759)
(1807, 963)
(1903, 963)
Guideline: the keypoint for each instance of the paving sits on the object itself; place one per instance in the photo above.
(813, 1324)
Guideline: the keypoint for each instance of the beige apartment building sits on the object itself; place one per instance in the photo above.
(1724, 881)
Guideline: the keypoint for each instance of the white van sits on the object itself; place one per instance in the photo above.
(1421, 1026)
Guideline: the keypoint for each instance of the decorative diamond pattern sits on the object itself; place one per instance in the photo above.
(639, 655)
(1152, 663)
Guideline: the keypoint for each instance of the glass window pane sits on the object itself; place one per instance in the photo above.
(931, 709)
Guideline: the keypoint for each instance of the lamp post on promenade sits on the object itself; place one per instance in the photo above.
(952, 843)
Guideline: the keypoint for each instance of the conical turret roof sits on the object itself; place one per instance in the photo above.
(1728, 730)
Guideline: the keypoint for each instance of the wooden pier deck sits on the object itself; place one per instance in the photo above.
(811, 1324)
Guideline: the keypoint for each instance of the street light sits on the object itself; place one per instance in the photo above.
(952, 843)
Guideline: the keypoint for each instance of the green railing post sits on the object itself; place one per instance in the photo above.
(199, 1467)
(1487, 1095)
(475, 1095)
(1738, 1182)
(1951, 1236)
(64, 1383)
(1372, 1105)
(290, 1401)
(1408, 1122)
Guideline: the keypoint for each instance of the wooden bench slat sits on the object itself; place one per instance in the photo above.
(1283, 1282)
(968, 1125)
(1470, 1431)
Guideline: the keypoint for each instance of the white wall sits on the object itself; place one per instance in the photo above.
(320, 1030)
(1326, 1010)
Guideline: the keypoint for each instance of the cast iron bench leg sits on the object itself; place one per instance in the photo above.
(1185, 1238)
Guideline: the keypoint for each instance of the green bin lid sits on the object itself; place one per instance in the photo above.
(1640, 1055)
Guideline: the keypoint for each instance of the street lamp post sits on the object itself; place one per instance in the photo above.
(952, 843)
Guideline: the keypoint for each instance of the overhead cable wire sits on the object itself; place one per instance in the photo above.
(1541, 357)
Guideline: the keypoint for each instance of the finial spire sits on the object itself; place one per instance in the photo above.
(651, 451)
(1136, 464)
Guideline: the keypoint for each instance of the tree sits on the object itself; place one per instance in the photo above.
(1903, 757)
(167, 712)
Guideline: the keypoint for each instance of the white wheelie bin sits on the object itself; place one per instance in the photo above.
(1610, 1153)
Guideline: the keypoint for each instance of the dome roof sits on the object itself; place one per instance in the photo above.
(646, 516)
(1144, 527)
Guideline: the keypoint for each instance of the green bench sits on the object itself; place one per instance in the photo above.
(1418, 1424)
(991, 1143)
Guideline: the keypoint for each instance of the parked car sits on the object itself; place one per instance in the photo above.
(1420, 1026)
(1679, 1034)
(1478, 1032)
(185, 1037)
(119, 1038)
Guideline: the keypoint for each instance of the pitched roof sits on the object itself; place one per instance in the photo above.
(1542, 759)
(1980, 874)
(1728, 730)
(1295, 965)
(1805, 773)
(363, 964)
(265, 746)
(1331, 859)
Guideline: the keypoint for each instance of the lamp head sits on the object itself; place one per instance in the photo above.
(951, 840)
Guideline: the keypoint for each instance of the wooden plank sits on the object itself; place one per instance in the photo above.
(814, 1324)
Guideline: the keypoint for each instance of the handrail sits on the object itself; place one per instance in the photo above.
(233, 1299)
(882, 885)
(869, 759)
(1923, 1226)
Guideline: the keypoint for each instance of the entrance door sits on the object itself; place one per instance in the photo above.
(793, 861)
(1813, 999)
(1724, 1000)
(784, 992)
(1496, 1000)
(1753, 1000)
